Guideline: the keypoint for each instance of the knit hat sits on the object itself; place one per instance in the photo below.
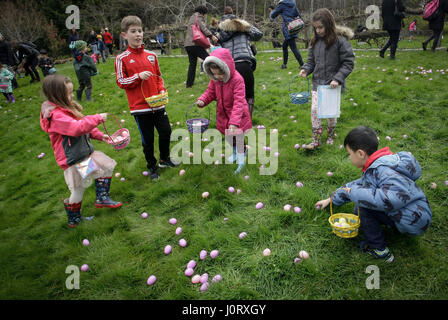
(80, 45)
(99, 36)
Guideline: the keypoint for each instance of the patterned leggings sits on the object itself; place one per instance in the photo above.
(316, 123)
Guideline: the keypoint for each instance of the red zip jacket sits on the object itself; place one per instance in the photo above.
(128, 65)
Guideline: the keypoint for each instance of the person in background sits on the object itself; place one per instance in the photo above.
(29, 54)
(412, 29)
(101, 49)
(85, 68)
(8, 58)
(6, 77)
(161, 41)
(72, 38)
(108, 41)
(45, 63)
(392, 24)
(228, 14)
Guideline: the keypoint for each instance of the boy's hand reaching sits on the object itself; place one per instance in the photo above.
(144, 75)
(200, 103)
(322, 204)
(302, 73)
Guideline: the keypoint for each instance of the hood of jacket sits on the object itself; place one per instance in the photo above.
(234, 25)
(345, 32)
(223, 58)
(403, 162)
(45, 112)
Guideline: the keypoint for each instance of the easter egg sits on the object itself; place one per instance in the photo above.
(214, 254)
(297, 146)
(266, 252)
(217, 278)
(287, 207)
(297, 260)
(117, 175)
(167, 249)
(84, 267)
(297, 209)
(196, 279)
(145, 173)
(231, 189)
(85, 242)
(433, 185)
(189, 272)
(151, 280)
(329, 173)
(191, 264)
(203, 254)
(204, 287)
(277, 154)
(405, 136)
(183, 242)
(178, 230)
(259, 205)
(242, 235)
(122, 179)
(144, 215)
(238, 191)
(341, 220)
(173, 221)
(446, 182)
(205, 194)
(204, 278)
(337, 224)
(304, 255)
(299, 184)
(246, 177)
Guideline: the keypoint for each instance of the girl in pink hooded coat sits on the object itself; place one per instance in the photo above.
(232, 111)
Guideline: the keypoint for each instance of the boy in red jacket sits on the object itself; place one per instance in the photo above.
(137, 71)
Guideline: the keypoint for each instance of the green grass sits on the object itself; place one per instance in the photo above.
(36, 246)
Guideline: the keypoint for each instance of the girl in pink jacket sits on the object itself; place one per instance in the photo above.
(70, 133)
(232, 111)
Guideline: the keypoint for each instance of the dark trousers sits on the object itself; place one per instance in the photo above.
(146, 123)
(245, 69)
(84, 84)
(394, 36)
(292, 44)
(30, 67)
(436, 37)
(193, 53)
(110, 48)
(371, 225)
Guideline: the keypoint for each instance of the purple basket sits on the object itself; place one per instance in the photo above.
(197, 125)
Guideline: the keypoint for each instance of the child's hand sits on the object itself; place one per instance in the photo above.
(105, 138)
(334, 84)
(200, 103)
(346, 190)
(302, 73)
(322, 204)
(104, 116)
(144, 75)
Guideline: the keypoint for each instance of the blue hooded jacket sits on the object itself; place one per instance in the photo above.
(289, 11)
(388, 185)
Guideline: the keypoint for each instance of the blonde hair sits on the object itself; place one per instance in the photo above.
(129, 21)
(56, 91)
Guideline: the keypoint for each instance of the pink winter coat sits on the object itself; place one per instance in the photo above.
(230, 94)
(69, 136)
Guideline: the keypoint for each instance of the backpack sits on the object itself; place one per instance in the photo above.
(431, 10)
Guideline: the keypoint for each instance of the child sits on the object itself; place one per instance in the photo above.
(70, 133)
(232, 112)
(6, 77)
(46, 64)
(85, 69)
(385, 194)
(331, 60)
(101, 48)
(137, 71)
(412, 29)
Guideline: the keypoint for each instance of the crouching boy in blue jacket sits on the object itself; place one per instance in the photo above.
(386, 194)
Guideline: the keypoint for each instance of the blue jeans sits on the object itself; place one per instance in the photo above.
(371, 225)
(292, 44)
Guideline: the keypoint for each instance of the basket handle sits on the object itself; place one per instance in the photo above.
(141, 83)
(331, 203)
(106, 129)
(290, 82)
(186, 114)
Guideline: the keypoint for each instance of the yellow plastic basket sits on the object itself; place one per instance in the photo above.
(351, 219)
(156, 100)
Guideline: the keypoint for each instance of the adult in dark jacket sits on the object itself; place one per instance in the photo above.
(288, 10)
(235, 35)
(392, 24)
(8, 58)
(194, 51)
(436, 25)
(72, 37)
(31, 56)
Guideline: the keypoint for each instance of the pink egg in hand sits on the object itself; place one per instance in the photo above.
(191, 264)
(85, 242)
(84, 267)
(183, 242)
(189, 272)
(167, 249)
(173, 221)
(178, 230)
(203, 254)
(144, 215)
(214, 254)
(151, 280)
(304, 255)
(196, 279)
(259, 205)
(217, 278)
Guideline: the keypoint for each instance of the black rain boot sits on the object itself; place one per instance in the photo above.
(102, 188)
(79, 95)
(73, 212)
(250, 102)
(89, 94)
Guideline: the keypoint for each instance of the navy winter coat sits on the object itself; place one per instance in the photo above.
(388, 185)
(289, 11)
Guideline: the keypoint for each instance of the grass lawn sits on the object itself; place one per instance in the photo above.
(36, 246)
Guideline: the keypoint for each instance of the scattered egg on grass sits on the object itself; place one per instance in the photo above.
(205, 194)
(217, 278)
(117, 175)
(84, 267)
(182, 172)
(189, 272)
(178, 230)
(204, 287)
(297, 260)
(151, 280)
(297, 209)
(433, 185)
(231, 189)
(329, 173)
(203, 254)
(299, 184)
(287, 207)
(214, 254)
(85, 242)
(259, 205)
(122, 179)
(167, 249)
(196, 279)
(172, 221)
(242, 235)
(204, 278)
(266, 252)
(191, 264)
(145, 173)
(183, 242)
(144, 215)
(304, 255)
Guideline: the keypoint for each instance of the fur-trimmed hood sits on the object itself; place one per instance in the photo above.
(345, 32)
(223, 58)
(234, 25)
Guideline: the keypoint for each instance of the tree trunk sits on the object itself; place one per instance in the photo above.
(245, 10)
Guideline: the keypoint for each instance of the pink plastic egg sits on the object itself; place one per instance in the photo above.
(84, 267)
(182, 242)
(178, 230)
(304, 255)
(287, 207)
(205, 194)
(117, 175)
(85, 242)
(189, 272)
(217, 278)
(173, 221)
(122, 179)
(297, 146)
(151, 280)
(246, 177)
(433, 185)
(167, 249)
(297, 260)
(203, 254)
(204, 278)
(446, 182)
(196, 279)
(242, 235)
(182, 172)
(259, 205)
(238, 191)
(297, 209)
(329, 173)
(214, 254)
(299, 184)
(145, 173)
(231, 189)
(191, 264)
(144, 215)
(266, 252)
(388, 138)
(204, 287)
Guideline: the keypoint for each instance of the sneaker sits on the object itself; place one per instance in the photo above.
(424, 46)
(283, 66)
(167, 164)
(153, 173)
(384, 254)
(382, 54)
